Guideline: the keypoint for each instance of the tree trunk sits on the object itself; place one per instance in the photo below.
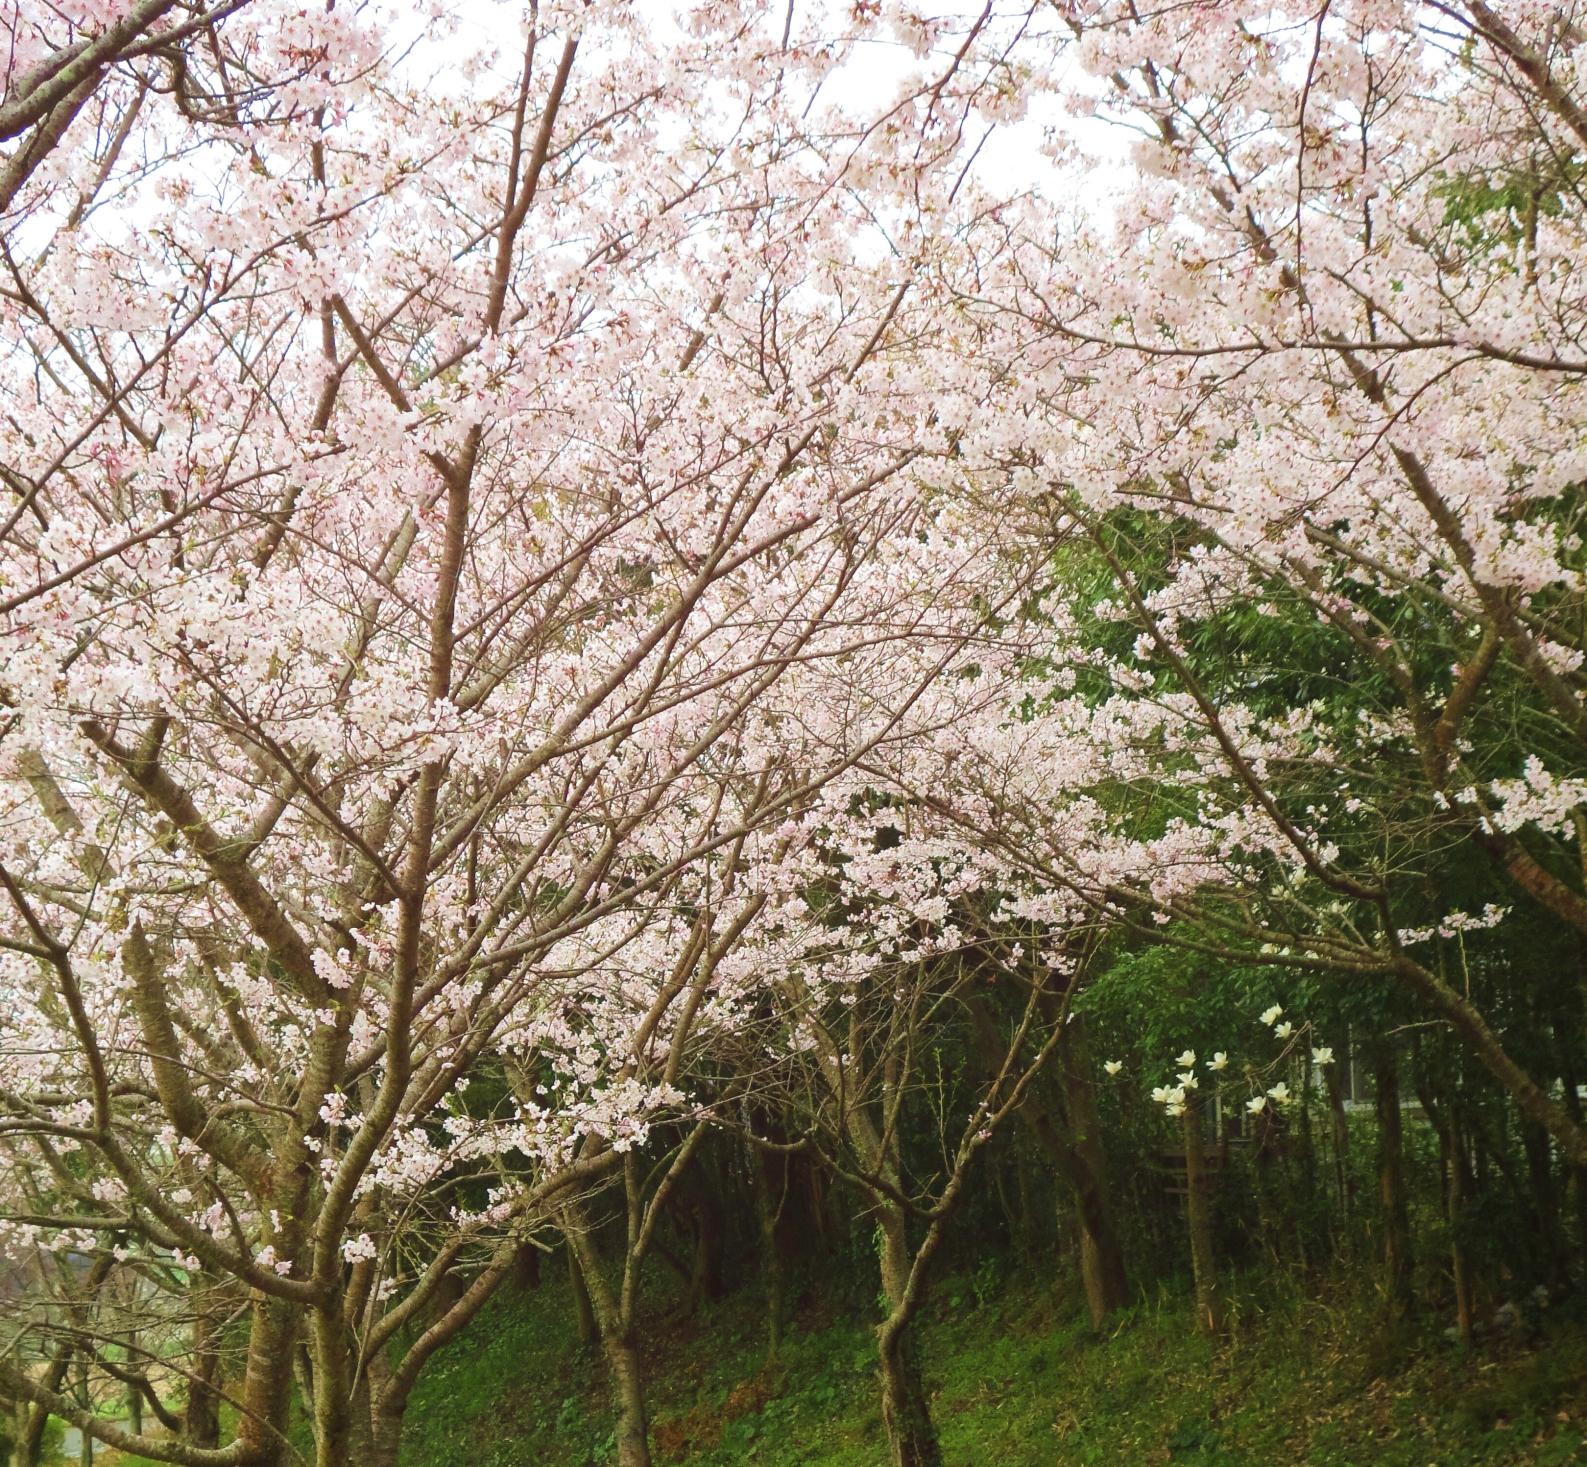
(705, 1272)
(1102, 1272)
(334, 1399)
(1339, 1125)
(31, 1419)
(385, 1439)
(361, 1432)
(1027, 1223)
(581, 1299)
(28, 1421)
(906, 1410)
(767, 1213)
(1391, 1182)
(628, 1396)
(1545, 1199)
(615, 1325)
(1578, 1174)
(1073, 1140)
(85, 1448)
(1459, 1265)
(1198, 1214)
(1442, 1115)
(526, 1267)
(201, 1426)
(378, 1414)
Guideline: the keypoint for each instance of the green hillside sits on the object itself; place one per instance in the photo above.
(1018, 1380)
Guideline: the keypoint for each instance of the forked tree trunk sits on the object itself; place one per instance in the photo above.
(1102, 1272)
(625, 1378)
(770, 1188)
(906, 1409)
(28, 1429)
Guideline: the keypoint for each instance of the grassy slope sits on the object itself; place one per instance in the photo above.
(1019, 1383)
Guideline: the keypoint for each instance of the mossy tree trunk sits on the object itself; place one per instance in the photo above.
(614, 1325)
(906, 1408)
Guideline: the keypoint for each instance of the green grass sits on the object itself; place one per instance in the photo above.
(1018, 1381)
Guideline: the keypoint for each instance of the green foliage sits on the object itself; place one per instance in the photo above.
(1017, 1379)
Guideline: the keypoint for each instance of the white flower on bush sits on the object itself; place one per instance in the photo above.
(356, 1250)
(1279, 1093)
(1112, 1067)
(1256, 1104)
(1188, 1081)
(1186, 1060)
(1323, 1056)
(1284, 1030)
(1271, 1015)
(1219, 1061)
(1171, 1098)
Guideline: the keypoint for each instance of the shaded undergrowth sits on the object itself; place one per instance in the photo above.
(1017, 1379)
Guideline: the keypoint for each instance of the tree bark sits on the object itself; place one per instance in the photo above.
(705, 1273)
(1072, 1138)
(1578, 1173)
(767, 1213)
(202, 1422)
(1198, 1214)
(385, 1439)
(1102, 1271)
(1545, 1199)
(1339, 1120)
(583, 1311)
(1391, 1182)
(615, 1327)
(374, 1431)
(1442, 1113)
(906, 1409)
(85, 1448)
(628, 1395)
(28, 1422)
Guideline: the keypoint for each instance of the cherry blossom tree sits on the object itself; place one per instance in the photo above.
(436, 493)
(1309, 393)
